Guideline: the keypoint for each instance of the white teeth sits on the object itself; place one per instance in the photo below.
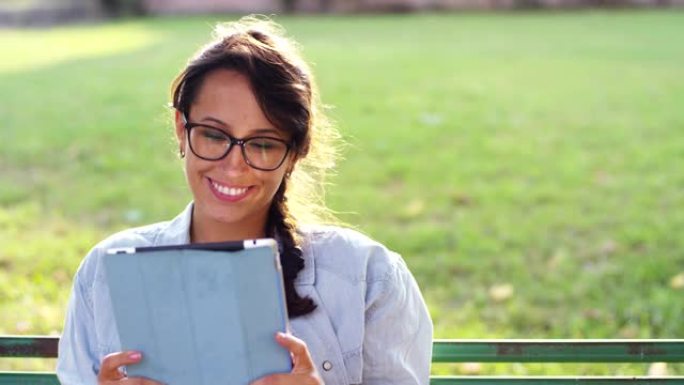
(233, 191)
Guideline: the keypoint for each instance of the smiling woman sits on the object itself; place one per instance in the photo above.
(232, 193)
(256, 148)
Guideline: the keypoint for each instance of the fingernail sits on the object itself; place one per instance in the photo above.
(135, 356)
(280, 335)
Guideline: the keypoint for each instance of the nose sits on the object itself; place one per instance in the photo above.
(234, 161)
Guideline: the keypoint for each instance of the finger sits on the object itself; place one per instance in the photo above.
(300, 353)
(109, 370)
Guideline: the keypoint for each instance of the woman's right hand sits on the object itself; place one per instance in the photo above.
(111, 373)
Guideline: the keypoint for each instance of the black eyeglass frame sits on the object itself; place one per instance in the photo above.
(233, 141)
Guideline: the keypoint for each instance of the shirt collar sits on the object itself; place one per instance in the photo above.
(178, 230)
(178, 233)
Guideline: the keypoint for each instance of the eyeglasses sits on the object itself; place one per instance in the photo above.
(259, 152)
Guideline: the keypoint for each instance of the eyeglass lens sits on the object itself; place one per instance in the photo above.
(259, 152)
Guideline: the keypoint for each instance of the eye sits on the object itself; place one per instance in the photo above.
(265, 144)
(211, 134)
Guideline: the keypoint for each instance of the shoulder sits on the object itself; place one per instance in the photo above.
(148, 235)
(349, 252)
(175, 231)
(336, 235)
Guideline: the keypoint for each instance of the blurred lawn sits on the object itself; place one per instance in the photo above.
(528, 165)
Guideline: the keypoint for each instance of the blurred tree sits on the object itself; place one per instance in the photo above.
(325, 6)
(290, 6)
(116, 8)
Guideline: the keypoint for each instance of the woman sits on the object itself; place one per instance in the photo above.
(256, 146)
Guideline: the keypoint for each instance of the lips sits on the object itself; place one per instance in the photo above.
(228, 193)
(231, 191)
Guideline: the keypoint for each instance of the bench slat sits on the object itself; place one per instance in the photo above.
(28, 346)
(598, 351)
(28, 378)
(588, 351)
(463, 350)
(34, 378)
(551, 380)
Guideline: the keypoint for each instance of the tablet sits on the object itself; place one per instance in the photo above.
(200, 313)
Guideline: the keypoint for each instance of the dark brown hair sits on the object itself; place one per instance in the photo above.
(286, 92)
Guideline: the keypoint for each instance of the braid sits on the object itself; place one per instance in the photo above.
(280, 225)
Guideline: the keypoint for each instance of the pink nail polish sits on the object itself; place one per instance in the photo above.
(135, 356)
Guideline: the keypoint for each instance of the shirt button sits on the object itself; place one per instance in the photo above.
(327, 366)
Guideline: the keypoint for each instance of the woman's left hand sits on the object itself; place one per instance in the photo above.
(303, 372)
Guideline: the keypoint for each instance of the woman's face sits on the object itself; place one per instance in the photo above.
(231, 198)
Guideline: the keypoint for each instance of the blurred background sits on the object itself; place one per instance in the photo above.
(526, 157)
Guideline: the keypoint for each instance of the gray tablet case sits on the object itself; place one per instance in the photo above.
(201, 314)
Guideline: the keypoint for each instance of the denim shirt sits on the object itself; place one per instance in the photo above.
(371, 325)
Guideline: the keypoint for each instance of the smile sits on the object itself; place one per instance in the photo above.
(232, 191)
(228, 193)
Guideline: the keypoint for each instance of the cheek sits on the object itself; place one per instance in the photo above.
(273, 182)
(193, 169)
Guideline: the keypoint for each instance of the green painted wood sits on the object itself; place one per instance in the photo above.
(598, 351)
(28, 378)
(28, 346)
(558, 351)
(487, 380)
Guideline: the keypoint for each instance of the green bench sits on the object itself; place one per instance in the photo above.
(450, 351)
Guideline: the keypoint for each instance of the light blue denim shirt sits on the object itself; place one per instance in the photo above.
(371, 325)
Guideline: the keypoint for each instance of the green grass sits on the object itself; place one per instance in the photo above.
(538, 152)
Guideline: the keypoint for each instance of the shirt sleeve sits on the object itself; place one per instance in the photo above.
(397, 345)
(77, 362)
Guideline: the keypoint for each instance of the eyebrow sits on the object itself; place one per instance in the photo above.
(257, 131)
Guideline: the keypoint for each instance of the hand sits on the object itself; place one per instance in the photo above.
(303, 371)
(111, 374)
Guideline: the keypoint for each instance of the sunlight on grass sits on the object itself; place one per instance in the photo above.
(34, 49)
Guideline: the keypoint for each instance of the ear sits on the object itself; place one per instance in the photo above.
(180, 130)
(290, 163)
